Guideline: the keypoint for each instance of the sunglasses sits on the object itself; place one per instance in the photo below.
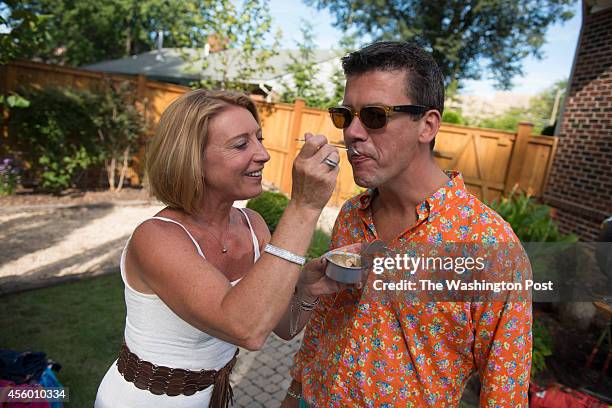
(372, 116)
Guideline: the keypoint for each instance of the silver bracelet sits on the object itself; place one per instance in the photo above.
(307, 306)
(293, 395)
(284, 254)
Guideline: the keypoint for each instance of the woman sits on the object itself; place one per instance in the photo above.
(195, 284)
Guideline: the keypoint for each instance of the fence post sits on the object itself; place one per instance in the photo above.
(296, 123)
(142, 87)
(8, 84)
(517, 160)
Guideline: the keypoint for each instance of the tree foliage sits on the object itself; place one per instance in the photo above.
(82, 32)
(303, 82)
(63, 133)
(463, 35)
(24, 34)
(119, 125)
(540, 112)
(243, 31)
(55, 136)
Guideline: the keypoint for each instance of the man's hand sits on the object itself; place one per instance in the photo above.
(313, 282)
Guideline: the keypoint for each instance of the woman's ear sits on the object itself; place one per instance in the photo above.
(430, 124)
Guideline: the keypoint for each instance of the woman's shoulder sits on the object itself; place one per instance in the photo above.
(258, 223)
(164, 228)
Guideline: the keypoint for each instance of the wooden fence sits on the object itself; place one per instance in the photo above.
(492, 162)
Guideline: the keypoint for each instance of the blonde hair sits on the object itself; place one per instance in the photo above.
(174, 158)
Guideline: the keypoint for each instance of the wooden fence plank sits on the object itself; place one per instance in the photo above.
(491, 167)
(517, 160)
(296, 123)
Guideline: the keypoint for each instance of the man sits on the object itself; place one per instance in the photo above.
(362, 351)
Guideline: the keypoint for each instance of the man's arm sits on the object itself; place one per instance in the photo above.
(311, 339)
(502, 352)
(307, 350)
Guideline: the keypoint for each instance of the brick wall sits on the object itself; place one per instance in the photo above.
(580, 183)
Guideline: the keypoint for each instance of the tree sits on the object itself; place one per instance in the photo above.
(462, 35)
(338, 80)
(119, 124)
(544, 107)
(242, 32)
(82, 32)
(541, 111)
(24, 32)
(303, 70)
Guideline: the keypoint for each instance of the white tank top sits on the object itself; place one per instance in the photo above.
(156, 334)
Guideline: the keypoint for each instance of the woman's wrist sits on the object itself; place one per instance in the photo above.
(304, 210)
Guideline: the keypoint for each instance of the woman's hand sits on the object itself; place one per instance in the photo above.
(313, 179)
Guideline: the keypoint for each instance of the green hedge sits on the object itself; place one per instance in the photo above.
(270, 206)
(531, 221)
(56, 135)
(319, 244)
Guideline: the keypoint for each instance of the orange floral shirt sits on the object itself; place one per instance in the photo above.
(357, 352)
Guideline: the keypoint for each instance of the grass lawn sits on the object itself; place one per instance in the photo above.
(78, 324)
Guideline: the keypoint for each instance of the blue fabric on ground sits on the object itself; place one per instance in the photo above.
(49, 380)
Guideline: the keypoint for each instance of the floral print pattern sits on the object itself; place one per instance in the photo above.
(361, 352)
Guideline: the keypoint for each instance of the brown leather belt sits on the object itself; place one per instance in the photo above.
(176, 381)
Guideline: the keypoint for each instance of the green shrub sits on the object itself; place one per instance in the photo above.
(62, 133)
(531, 221)
(270, 206)
(319, 244)
(56, 136)
(452, 117)
(542, 347)
(9, 177)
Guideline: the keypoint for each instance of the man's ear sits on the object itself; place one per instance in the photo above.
(430, 124)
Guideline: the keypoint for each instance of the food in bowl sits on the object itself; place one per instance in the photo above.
(345, 260)
(344, 267)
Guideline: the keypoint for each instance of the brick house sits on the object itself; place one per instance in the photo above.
(580, 183)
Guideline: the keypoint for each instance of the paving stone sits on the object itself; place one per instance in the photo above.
(261, 382)
(265, 358)
(265, 371)
(262, 397)
(282, 369)
(280, 394)
(285, 383)
(261, 378)
(272, 387)
(244, 401)
(252, 390)
(276, 379)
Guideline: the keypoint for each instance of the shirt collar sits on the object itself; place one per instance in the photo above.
(453, 188)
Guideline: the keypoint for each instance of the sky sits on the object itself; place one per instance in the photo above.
(539, 74)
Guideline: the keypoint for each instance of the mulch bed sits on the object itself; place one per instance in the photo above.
(74, 197)
(27, 197)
